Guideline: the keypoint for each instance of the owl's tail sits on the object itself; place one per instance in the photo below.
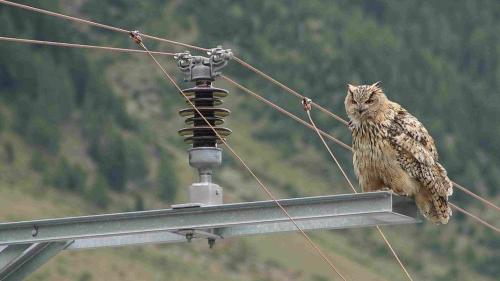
(444, 186)
(432, 199)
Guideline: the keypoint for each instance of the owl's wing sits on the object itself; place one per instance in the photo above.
(410, 137)
(417, 154)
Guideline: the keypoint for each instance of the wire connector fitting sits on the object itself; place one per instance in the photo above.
(197, 68)
(136, 36)
(307, 103)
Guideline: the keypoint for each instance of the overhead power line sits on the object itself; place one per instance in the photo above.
(296, 118)
(284, 111)
(80, 46)
(316, 247)
(343, 121)
(243, 63)
(488, 203)
(96, 24)
(483, 222)
(354, 190)
(261, 184)
(286, 88)
(308, 112)
(240, 61)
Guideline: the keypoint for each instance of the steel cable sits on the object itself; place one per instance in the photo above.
(96, 24)
(296, 118)
(483, 222)
(261, 184)
(284, 111)
(240, 61)
(243, 63)
(354, 190)
(82, 46)
(343, 121)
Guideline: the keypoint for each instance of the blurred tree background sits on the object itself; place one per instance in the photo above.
(100, 128)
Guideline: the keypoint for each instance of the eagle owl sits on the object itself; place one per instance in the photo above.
(393, 150)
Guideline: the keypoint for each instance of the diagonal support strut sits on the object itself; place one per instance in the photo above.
(30, 259)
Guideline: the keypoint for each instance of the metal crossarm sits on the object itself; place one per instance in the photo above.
(25, 246)
(227, 220)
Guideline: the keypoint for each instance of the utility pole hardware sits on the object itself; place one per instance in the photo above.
(204, 154)
(27, 245)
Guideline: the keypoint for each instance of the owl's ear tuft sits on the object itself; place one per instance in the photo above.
(351, 88)
(376, 84)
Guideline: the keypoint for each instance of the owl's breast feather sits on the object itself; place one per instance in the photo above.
(373, 154)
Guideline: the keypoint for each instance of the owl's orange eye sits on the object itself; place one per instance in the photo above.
(353, 101)
(369, 101)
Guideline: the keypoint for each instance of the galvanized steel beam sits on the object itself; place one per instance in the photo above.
(30, 259)
(11, 252)
(227, 220)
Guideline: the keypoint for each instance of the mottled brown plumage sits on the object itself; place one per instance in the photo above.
(393, 150)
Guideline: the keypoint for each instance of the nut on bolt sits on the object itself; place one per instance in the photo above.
(218, 54)
(189, 236)
(183, 59)
(34, 231)
(211, 243)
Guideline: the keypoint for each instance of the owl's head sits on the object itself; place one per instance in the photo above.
(364, 102)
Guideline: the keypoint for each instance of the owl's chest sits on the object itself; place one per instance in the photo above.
(372, 149)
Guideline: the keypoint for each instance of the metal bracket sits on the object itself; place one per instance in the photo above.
(202, 68)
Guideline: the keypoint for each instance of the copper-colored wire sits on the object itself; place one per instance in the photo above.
(81, 46)
(490, 204)
(296, 118)
(261, 184)
(240, 61)
(288, 89)
(478, 219)
(343, 121)
(284, 111)
(96, 24)
(354, 190)
(243, 63)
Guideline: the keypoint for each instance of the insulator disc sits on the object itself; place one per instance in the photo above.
(218, 112)
(219, 93)
(216, 101)
(223, 132)
(212, 120)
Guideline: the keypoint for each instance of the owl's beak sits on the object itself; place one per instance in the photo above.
(361, 109)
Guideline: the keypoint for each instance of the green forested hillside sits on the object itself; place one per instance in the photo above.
(86, 132)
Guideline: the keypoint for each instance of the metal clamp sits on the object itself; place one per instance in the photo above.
(307, 103)
(198, 68)
(136, 36)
